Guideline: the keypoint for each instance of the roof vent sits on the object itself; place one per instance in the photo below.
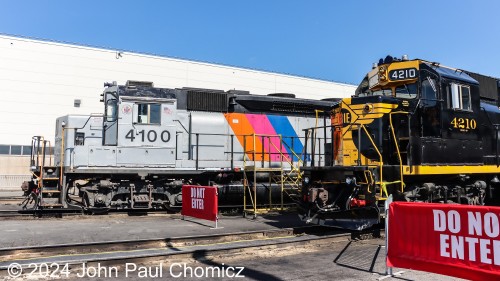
(282, 95)
(134, 84)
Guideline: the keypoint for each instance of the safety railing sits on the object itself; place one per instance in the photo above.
(276, 173)
(396, 144)
(313, 144)
(40, 148)
(318, 151)
(256, 147)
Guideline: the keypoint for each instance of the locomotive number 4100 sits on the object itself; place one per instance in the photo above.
(150, 135)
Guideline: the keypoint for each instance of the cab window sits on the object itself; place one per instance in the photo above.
(111, 110)
(459, 97)
(429, 92)
(407, 91)
(148, 113)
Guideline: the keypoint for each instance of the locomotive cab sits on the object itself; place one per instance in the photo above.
(414, 129)
(139, 122)
(136, 130)
(435, 112)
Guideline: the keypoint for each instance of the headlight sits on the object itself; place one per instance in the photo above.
(368, 108)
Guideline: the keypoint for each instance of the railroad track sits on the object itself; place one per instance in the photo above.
(58, 212)
(18, 213)
(178, 248)
(11, 200)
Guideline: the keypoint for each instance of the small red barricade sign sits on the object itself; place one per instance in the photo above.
(200, 202)
(455, 240)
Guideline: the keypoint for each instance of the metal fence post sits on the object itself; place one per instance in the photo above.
(388, 270)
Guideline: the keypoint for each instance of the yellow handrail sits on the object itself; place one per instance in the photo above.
(278, 148)
(381, 162)
(397, 146)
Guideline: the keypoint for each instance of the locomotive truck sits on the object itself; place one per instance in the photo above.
(150, 141)
(414, 129)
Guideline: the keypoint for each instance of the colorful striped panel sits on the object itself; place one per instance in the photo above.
(264, 129)
(244, 131)
(283, 127)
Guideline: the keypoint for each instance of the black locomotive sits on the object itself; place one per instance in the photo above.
(415, 130)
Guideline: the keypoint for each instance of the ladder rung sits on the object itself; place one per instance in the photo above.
(51, 205)
(50, 179)
(49, 190)
(49, 167)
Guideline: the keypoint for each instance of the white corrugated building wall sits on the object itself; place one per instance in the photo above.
(42, 80)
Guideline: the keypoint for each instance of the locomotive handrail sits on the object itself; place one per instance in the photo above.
(281, 172)
(397, 146)
(381, 162)
(359, 127)
(40, 182)
(198, 143)
(299, 159)
(275, 173)
(313, 139)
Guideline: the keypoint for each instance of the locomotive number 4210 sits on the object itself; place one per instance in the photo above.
(150, 135)
(403, 74)
(464, 123)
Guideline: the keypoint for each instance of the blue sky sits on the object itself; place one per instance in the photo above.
(331, 40)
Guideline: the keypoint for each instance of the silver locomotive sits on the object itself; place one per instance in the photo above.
(150, 141)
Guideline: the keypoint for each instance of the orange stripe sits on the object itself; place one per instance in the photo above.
(244, 130)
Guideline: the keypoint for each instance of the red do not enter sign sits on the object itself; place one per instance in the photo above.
(200, 202)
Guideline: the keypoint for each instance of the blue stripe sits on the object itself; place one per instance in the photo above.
(283, 127)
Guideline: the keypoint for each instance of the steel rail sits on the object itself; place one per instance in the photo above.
(115, 251)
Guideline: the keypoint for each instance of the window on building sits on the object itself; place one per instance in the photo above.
(459, 97)
(26, 150)
(15, 149)
(149, 113)
(5, 149)
(49, 150)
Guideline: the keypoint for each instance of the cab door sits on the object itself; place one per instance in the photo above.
(110, 126)
(427, 149)
(147, 133)
(462, 142)
(460, 112)
(430, 105)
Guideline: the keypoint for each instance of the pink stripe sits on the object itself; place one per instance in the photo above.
(261, 125)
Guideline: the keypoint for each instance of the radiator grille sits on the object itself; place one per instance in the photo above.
(294, 107)
(201, 100)
(488, 86)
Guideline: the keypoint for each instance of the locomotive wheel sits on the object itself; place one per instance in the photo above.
(30, 202)
(85, 200)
